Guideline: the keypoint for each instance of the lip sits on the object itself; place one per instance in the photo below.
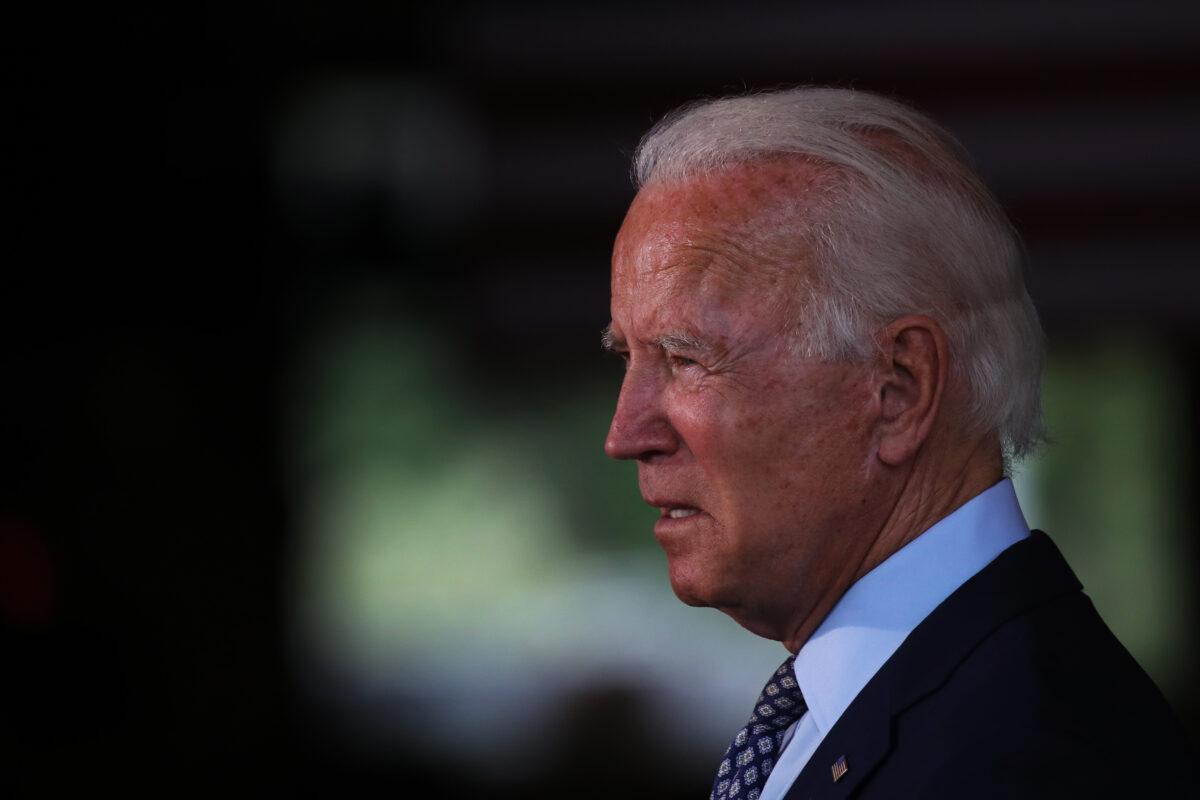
(666, 525)
(663, 503)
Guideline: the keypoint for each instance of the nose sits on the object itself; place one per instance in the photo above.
(640, 428)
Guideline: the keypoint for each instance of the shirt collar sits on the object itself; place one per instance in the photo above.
(883, 607)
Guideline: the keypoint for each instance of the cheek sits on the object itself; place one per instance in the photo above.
(755, 457)
(779, 421)
(804, 441)
(702, 420)
(775, 440)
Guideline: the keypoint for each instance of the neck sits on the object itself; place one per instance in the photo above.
(927, 496)
(932, 488)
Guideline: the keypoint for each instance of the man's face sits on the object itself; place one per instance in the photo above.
(758, 460)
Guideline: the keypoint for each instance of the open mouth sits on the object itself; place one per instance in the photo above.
(680, 512)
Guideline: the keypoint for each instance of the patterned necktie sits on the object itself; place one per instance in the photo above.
(749, 759)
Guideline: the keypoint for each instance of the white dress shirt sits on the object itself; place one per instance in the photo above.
(879, 612)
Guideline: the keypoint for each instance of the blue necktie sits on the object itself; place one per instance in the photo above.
(752, 755)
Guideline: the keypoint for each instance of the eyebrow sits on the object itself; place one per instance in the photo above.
(669, 341)
(682, 341)
(609, 340)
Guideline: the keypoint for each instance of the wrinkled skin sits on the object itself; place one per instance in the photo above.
(777, 453)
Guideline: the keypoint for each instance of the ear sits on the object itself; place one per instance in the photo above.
(913, 370)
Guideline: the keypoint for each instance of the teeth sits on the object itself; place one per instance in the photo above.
(680, 513)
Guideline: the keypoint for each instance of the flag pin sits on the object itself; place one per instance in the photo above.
(840, 768)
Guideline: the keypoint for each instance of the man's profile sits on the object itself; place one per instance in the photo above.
(830, 358)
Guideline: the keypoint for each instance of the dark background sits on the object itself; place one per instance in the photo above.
(189, 194)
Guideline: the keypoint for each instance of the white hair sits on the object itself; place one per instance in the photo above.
(905, 226)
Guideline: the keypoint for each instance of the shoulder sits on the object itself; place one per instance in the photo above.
(1048, 704)
(1012, 687)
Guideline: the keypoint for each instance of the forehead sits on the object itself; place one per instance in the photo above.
(736, 237)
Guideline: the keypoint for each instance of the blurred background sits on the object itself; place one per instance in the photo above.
(302, 400)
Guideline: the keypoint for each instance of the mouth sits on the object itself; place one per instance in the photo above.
(678, 512)
(678, 524)
(676, 515)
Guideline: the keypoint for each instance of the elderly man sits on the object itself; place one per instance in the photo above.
(830, 356)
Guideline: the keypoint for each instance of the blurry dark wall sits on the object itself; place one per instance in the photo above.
(141, 349)
(190, 192)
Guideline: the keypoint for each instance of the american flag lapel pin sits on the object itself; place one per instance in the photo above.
(839, 768)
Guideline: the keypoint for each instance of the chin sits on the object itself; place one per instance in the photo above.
(701, 588)
(691, 588)
(690, 598)
(700, 591)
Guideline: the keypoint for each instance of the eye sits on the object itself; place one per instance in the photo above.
(683, 362)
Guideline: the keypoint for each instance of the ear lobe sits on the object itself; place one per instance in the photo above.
(915, 360)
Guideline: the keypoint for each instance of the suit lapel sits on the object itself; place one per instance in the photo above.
(1025, 576)
(859, 740)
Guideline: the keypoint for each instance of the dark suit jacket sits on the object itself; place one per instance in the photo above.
(1012, 688)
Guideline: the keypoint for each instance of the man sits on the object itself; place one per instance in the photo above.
(830, 356)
